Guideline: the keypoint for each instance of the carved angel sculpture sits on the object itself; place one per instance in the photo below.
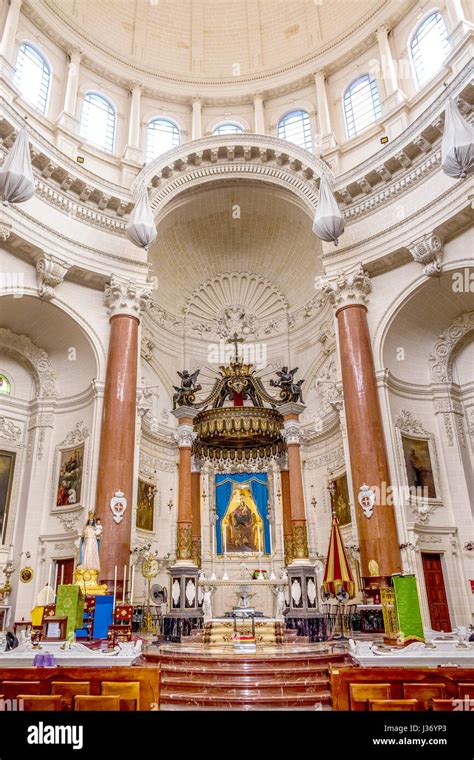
(185, 392)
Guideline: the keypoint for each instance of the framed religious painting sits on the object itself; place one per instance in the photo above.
(145, 505)
(7, 467)
(419, 463)
(242, 525)
(340, 500)
(68, 491)
(419, 467)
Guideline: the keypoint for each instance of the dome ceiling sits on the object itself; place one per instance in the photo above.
(211, 40)
(234, 227)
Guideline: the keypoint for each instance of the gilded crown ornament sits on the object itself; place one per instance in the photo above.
(239, 419)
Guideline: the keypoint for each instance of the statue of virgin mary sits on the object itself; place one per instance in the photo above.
(90, 547)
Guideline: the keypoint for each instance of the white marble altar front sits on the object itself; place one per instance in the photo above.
(78, 654)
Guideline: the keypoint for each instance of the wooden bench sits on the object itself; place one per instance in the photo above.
(142, 684)
(453, 680)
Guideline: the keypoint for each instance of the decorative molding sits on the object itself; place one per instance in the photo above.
(50, 272)
(10, 432)
(127, 297)
(70, 519)
(427, 250)
(144, 399)
(441, 358)
(452, 412)
(241, 302)
(333, 460)
(147, 345)
(405, 422)
(5, 231)
(34, 357)
(350, 288)
(76, 436)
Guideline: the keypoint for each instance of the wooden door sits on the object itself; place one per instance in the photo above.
(436, 592)
(65, 570)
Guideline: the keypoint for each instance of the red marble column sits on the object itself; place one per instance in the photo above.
(184, 437)
(196, 512)
(117, 441)
(286, 514)
(299, 535)
(378, 538)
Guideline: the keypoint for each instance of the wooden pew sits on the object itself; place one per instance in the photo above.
(342, 676)
(40, 681)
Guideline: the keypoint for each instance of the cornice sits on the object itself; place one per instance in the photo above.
(406, 160)
(457, 195)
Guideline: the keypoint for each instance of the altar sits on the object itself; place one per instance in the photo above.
(220, 595)
(226, 631)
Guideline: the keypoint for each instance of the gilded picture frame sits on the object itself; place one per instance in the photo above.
(7, 469)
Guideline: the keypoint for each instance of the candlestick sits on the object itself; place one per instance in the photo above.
(132, 584)
(259, 539)
(225, 577)
(55, 581)
(62, 575)
(49, 577)
(213, 548)
(115, 588)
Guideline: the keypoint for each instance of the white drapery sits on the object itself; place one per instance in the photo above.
(141, 228)
(457, 147)
(328, 221)
(17, 183)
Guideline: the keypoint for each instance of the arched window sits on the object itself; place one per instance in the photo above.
(161, 135)
(227, 128)
(98, 121)
(32, 76)
(361, 105)
(429, 47)
(295, 128)
(5, 386)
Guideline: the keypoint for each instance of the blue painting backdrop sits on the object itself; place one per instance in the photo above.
(258, 482)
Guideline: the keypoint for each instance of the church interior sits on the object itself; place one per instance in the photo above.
(236, 355)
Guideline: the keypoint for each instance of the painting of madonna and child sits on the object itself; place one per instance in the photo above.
(242, 514)
(70, 477)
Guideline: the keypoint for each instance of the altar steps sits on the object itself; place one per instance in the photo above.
(239, 682)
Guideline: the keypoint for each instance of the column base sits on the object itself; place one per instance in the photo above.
(185, 597)
(185, 603)
(303, 591)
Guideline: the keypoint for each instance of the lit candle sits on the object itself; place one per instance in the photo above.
(124, 589)
(132, 583)
(55, 580)
(115, 587)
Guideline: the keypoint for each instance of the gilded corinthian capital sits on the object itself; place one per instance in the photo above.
(350, 288)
